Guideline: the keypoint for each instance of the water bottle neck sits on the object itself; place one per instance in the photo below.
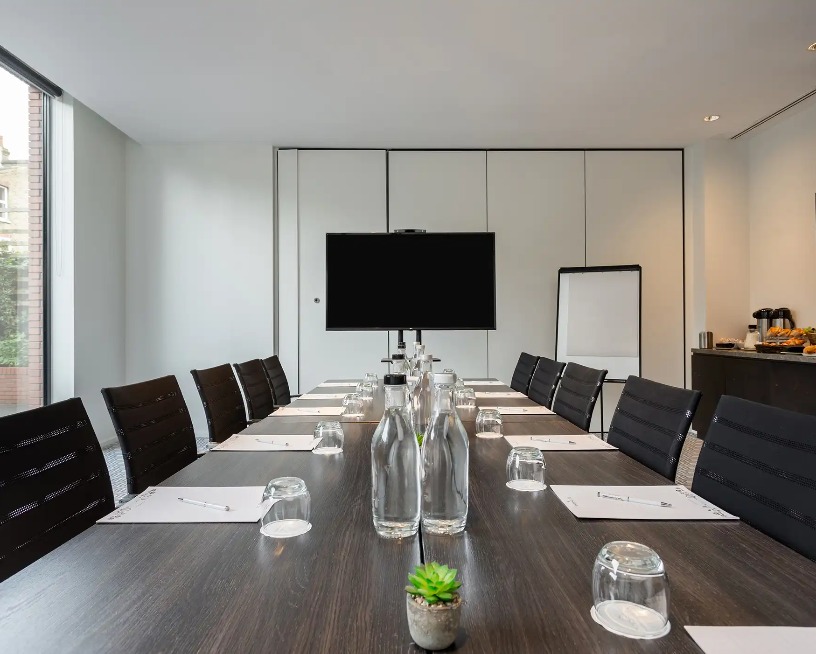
(443, 398)
(395, 397)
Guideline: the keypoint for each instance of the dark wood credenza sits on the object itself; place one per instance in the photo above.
(787, 381)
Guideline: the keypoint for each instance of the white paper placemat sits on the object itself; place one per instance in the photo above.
(338, 384)
(754, 640)
(483, 382)
(308, 411)
(267, 443)
(565, 442)
(489, 394)
(521, 410)
(584, 502)
(160, 504)
(322, 396)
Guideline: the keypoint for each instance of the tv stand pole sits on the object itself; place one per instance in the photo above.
(418, 335)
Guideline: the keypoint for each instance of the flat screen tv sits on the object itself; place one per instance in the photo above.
(411, 281)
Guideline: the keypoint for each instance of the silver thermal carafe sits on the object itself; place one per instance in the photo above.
(763, 318)
(781, 316)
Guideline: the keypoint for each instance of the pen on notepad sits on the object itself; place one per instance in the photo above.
(634, 500)
(261, 440)
(551, 440)
(220, 507)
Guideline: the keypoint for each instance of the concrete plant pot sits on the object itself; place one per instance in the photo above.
(433, 626)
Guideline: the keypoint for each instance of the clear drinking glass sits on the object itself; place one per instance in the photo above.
(488, 423)
(330, 433)
(366, 391)
(353, 405)
(372, 378)
(289, 515)
(525, 469)
(630, 590)
(465, 398)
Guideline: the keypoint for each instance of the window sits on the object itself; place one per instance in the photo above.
(23, 153)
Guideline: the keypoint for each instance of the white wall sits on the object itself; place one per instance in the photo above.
(199, 260)
(88, 260)
(782, 169)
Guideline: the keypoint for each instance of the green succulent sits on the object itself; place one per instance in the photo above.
(419, 439)
(434, 582)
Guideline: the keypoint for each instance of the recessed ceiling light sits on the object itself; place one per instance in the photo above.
(711, 118)
(812, 47)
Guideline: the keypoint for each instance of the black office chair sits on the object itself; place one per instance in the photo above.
(277, 380)
(257, 391)
(651, 423)
(154, 429)
(545, 380)
(54, 483)
(759, 463)
(577, 394)
(523, 373)
(223, 404)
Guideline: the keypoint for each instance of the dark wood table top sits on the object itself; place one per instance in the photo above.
(526, 562)
(524, 559)
(225, 587)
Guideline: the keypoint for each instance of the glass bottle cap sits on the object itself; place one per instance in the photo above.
(427, 357)
(394, 380)
(444, 378)
(399, 356)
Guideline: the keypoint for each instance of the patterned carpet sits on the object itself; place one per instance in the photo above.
(116, 467)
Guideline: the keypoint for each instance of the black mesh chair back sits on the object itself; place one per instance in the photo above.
(257, 391)
(545, 380)
(577, 393)
(523, 373)
(54, 483)
(759, 463)
(154, 429)
(651, 423)
(277, 380)
(223, 404)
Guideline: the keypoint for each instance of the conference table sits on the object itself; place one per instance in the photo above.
(524, 560)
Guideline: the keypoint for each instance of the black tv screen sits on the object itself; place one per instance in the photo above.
(411, 281)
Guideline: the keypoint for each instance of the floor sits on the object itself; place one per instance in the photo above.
(116, 467)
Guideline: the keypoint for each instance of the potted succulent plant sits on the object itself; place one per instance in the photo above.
(434, 605)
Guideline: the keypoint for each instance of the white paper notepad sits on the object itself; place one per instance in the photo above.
(521, 410)
(489, 394)
(483, 382)
(584, 502)
(160, 504)
(754, 640)
(338, 384)
(565, 442)
(308, 411)
(267, 443)
(322, 396)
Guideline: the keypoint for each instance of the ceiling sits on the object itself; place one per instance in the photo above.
(422, 73)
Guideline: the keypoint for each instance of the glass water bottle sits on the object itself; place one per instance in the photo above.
(395, 460)
(445, 453)
(422, 395)
(398, 364)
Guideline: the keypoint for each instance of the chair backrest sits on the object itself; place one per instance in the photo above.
(759, 463)
(277, 380)
(257, 391)
(154, 429)
(524, 372)
(545, 380)
(223, 404)
(54, 483)
(577, 393)
(651, 423)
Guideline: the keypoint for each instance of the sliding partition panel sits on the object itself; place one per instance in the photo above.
(440, 192)
(635, 216)
(536, 208)
(338, 191)
(286, 267)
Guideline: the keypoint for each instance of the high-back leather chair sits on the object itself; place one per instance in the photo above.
(577, 394)
(651, 422)
(759, 463)
(545, 380)
(524, 372)
(257, 390)
(54, 483)
(154, 429)
(277, 380)
(223, 404)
